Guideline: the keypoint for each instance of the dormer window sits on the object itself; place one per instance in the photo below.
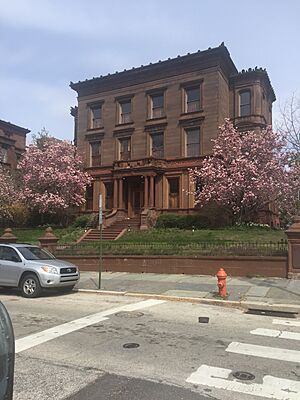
(245, 103)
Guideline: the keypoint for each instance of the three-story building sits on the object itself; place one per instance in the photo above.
(140, 130)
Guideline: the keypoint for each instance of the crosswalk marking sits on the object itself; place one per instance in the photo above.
(35, 339)
(271, 388)
(264, 351)
(286, 322)
(276, 333)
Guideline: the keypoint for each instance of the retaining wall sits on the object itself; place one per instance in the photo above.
(249, 266)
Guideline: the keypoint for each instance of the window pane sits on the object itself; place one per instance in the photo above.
(96, 148)
(245, 110)
(244, 98)
(245, 103)
(96, 153)
(158, 145)
(158, 101)
(193, 142)
(96, 112)
(193, 94)
(126, 107)
(125, 149)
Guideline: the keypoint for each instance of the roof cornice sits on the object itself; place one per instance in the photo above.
(9, 127)
(212, 57)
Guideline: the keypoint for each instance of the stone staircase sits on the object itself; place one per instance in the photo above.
(112, 231)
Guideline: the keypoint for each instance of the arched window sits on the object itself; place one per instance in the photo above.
(245, 103)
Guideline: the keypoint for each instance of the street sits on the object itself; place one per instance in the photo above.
(72, 347)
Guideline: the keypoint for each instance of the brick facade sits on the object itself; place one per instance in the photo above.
(140, 130)
(12, 143)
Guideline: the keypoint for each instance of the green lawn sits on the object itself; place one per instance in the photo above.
(243, 234)
(31, 235)
(170, 236)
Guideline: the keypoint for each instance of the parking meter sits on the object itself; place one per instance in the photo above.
(7, 355)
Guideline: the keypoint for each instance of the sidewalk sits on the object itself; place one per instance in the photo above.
(268, 291)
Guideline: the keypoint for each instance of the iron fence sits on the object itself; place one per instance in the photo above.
(212, 248)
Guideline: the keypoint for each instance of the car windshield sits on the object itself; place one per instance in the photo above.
(35, 253)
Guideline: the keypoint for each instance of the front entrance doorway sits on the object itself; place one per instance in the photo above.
(135, 196)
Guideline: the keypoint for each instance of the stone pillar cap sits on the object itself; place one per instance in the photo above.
(8, 235)
(48, 236)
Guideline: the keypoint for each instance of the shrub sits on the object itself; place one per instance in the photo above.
(14, 215)
(196, 221)
(86, 221)
(81, 221)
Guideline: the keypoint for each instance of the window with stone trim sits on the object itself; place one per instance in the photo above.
(244, 103)
(192, 142)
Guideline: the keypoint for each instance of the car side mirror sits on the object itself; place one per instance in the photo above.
(7, 355)
(15, 259)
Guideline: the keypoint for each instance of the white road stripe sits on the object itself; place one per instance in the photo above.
(275, 333)
(264, 351)
(35, 339)
(287, 322)
(271, 388)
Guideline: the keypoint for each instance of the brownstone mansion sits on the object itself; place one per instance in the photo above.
(140, 130)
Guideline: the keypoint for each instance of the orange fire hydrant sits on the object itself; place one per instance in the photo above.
(221, 275)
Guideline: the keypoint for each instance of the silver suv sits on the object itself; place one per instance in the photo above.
(32, 269)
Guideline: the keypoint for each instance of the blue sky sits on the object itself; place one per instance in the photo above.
(45, 44)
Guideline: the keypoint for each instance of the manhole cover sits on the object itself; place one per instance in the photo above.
(124, 314)
(244, 376)
(203, 320)
(131, 345)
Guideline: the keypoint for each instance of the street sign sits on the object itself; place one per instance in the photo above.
(100, 209)
(100, 243)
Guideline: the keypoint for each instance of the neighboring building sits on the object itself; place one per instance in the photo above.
(12, 143)
(140, 130)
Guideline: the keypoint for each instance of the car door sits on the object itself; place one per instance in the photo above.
(10, 266)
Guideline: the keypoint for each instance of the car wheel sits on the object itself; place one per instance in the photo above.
(30, 286)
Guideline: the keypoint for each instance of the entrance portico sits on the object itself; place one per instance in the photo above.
(133, 194)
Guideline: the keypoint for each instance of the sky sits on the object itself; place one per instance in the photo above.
(45, 44)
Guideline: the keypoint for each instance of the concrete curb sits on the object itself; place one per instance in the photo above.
(244, 305)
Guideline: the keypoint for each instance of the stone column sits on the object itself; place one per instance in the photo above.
(146, 192)
(151, 191)
(115, 193)
(121, 205)
(293, 234)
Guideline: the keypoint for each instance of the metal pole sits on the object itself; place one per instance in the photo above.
(100, 244)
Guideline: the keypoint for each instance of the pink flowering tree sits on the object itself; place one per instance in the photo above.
(53, 179)
(8, 194)
(248, 171)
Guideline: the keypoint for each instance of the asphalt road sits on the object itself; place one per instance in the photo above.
(72, 347)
